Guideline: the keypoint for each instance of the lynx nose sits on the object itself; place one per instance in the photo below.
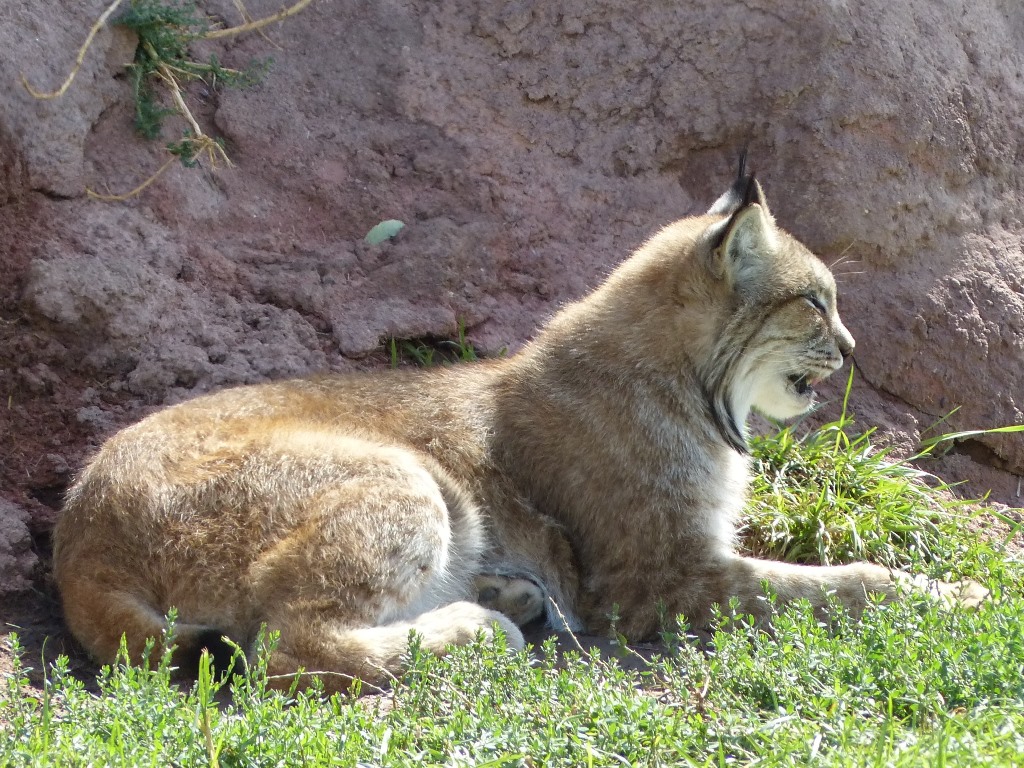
(844, 340)
(846, 349)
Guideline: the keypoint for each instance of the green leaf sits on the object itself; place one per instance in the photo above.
(384, 231)
(930, 443)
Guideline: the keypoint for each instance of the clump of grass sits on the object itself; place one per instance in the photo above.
(427, 353)
(907, 684)
(831, 496)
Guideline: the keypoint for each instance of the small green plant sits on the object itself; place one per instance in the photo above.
(385, 230)
(165, 30)
(426, 353)
(162, 59)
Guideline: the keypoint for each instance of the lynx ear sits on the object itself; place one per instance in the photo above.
(744, 190)
(738, 243)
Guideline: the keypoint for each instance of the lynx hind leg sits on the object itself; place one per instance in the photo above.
(99, 616)
(389, 548)
(518, 598)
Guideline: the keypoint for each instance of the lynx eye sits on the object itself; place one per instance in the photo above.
(817, 303)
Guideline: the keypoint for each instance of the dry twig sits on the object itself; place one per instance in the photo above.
(196, 142)
(78, 61)
(252, 26)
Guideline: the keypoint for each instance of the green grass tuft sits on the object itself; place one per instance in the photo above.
(830, 496)
(426, 353)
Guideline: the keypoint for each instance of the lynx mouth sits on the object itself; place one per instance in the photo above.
(802, 383)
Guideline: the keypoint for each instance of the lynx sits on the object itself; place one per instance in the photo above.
(600, 469)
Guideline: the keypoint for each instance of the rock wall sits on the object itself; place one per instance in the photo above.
(528, 147)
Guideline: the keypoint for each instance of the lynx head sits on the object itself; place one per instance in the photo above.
(725, 307)
(782, 333)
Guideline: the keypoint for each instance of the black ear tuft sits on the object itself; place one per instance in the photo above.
(740, 194)
(742, 173)
(745, 191)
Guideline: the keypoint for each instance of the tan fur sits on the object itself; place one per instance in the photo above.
(599, 470)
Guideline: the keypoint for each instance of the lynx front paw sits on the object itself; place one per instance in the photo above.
(967, 593)
(519, 599)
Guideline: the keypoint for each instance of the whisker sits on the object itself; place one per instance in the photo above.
(844, 262)
(848, 274)
(839, 258)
